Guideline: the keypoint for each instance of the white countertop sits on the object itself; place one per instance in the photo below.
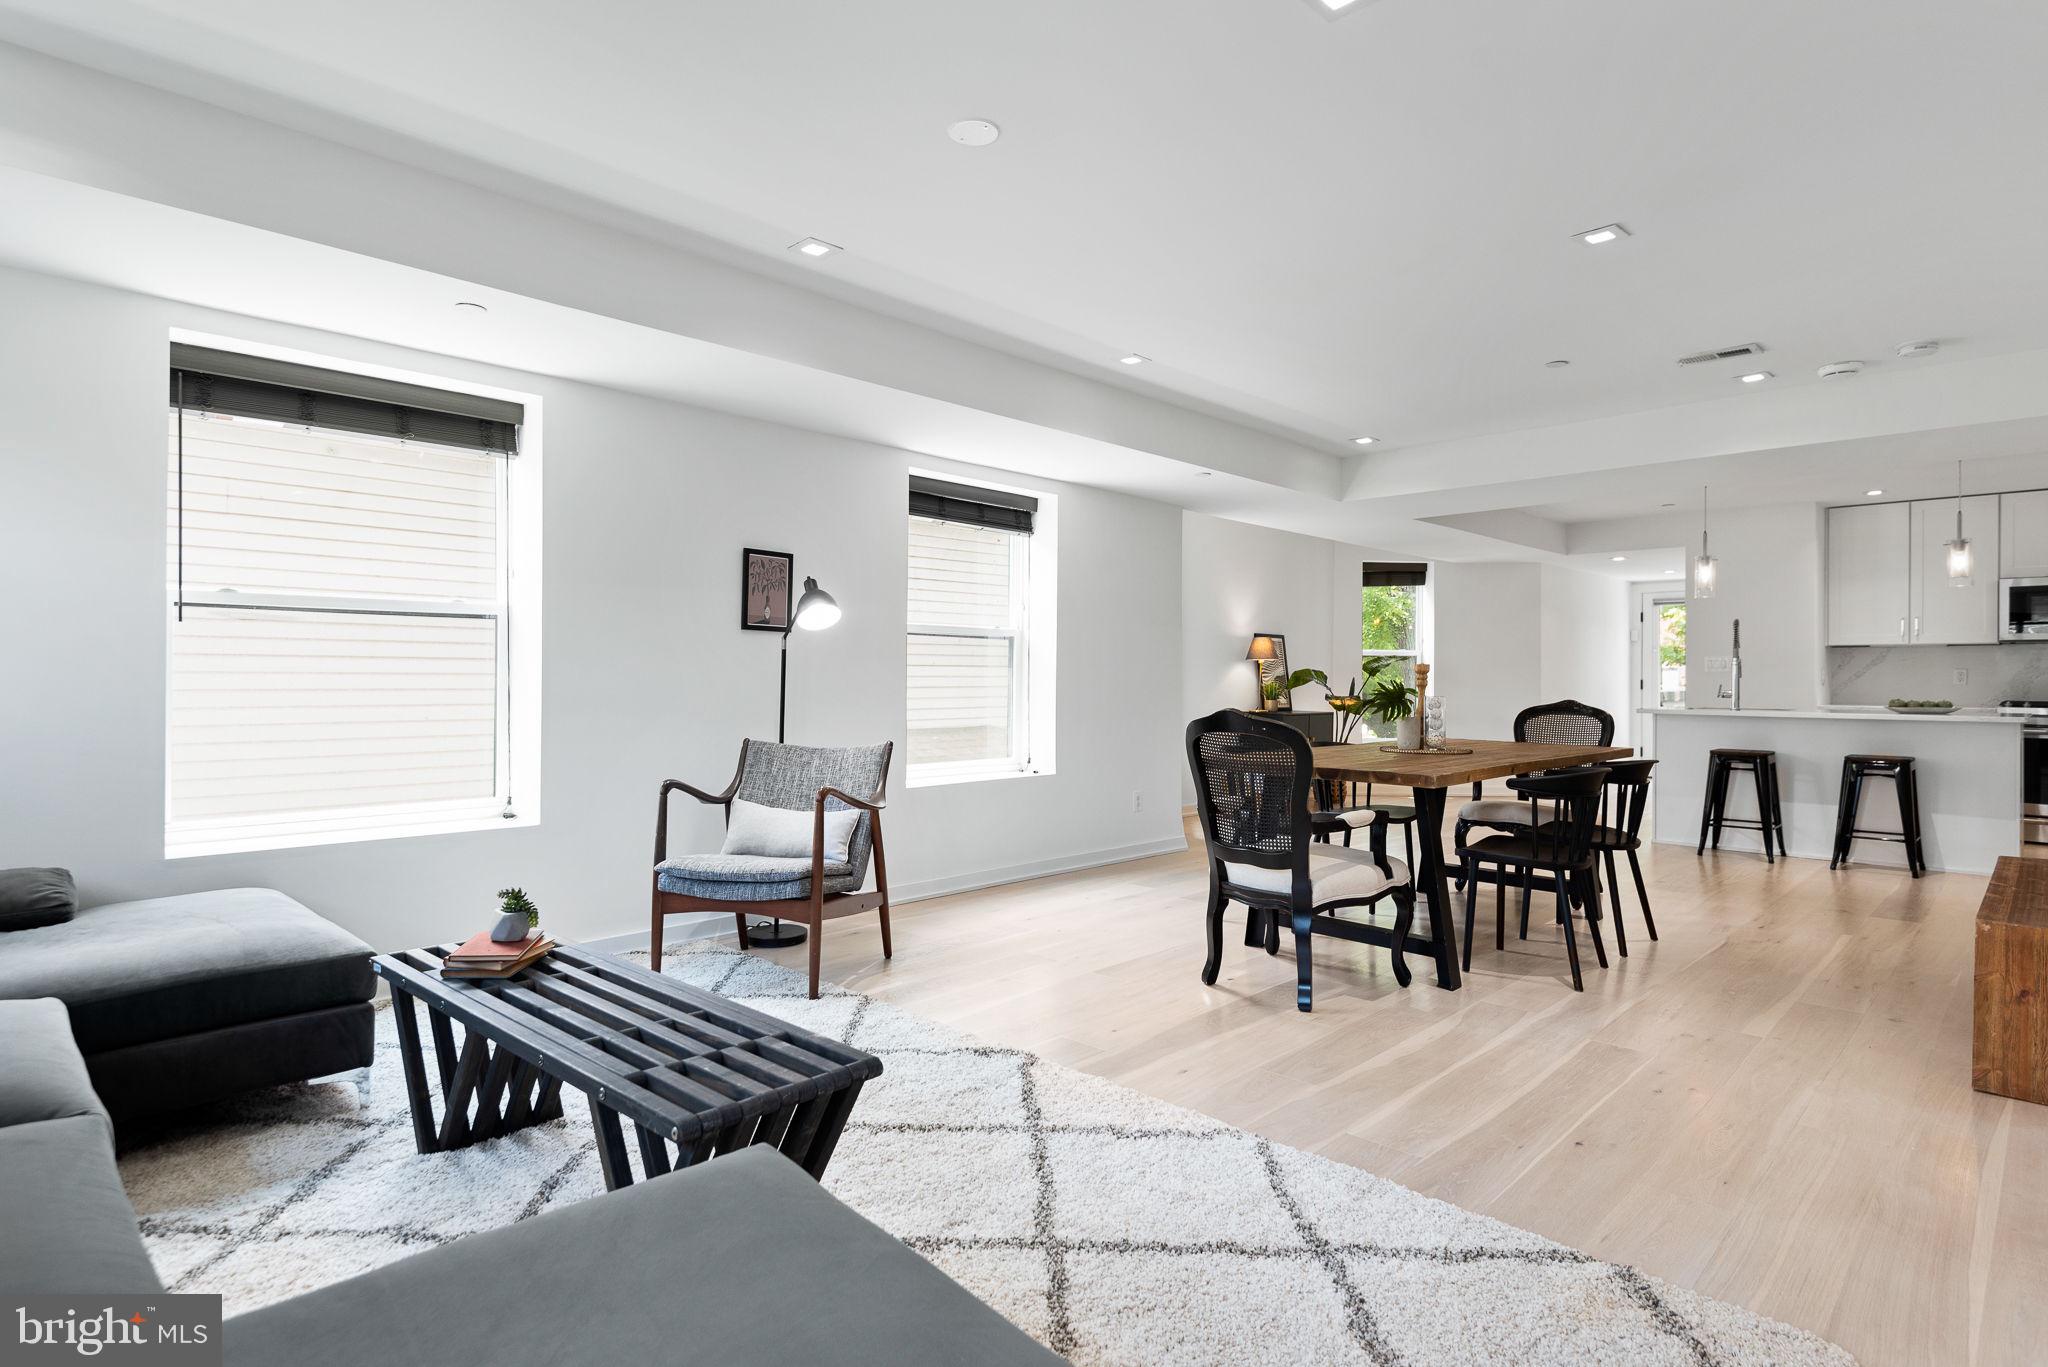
(1844, 713)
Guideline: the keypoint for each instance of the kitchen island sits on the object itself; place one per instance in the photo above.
(1968, 762)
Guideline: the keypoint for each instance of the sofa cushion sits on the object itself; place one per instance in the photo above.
(69, 1227)
(42, 1076)
(749, 877)
(131, 972)
(36, 897)
(665, 1271)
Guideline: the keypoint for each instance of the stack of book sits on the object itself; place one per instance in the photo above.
(483, 957)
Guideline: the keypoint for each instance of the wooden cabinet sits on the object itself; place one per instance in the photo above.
(1870, 574)
(1942, 614)
(2023, 534)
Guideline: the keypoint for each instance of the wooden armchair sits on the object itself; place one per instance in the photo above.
(809, 889)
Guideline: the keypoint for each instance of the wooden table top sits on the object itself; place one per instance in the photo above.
(2018, 895)
(1368, 763)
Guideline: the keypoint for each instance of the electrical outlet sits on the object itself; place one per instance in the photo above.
(1962, 676)
(1137, 802)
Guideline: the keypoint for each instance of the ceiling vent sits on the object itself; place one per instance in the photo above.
(1724, 354)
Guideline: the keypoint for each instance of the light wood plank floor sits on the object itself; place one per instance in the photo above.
(1772, 1104)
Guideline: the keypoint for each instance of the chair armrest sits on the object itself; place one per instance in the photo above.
(849, 799)
(671, 785)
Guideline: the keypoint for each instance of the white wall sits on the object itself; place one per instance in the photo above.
(1769, 577)
(646, 674)
(1586, 646)
(1238, 579)
(1488, 645)
(1511, 634)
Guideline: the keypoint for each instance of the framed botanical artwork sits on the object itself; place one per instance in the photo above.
(765, 577)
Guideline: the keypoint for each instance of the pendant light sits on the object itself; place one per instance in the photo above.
(1704, 567)
(1961, 562)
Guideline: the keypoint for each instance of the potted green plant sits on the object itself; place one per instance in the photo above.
(1391, 698)
(1348, 705)
(518, 918)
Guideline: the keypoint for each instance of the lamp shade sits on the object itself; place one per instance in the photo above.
(817, 609)
(1262, 648)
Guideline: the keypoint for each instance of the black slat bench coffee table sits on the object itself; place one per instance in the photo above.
(685, 1066)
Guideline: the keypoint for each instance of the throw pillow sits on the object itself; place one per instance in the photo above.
(36, 897)
(784, 834)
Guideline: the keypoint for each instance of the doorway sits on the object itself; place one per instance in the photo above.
(1660, 651)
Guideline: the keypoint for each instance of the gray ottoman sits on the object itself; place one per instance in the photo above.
(176, 1001)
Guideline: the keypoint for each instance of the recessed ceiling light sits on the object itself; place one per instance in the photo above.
(1330, 9)
(1556, 365)
(472, 306)
(1667, 505)
(1755, 377)
(1873, 493)
(1617, 559)
(973, 132)
(812, 246)
(1133, 359)
(1203, 474)
(1671, 571)
(1607, 232)
(1363, 441)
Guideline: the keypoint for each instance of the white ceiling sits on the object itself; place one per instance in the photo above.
(1314, 228)
(1334, 227)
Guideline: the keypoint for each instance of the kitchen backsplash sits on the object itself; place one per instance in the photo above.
(1877, 674)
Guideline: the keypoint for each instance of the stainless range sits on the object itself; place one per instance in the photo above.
(2034, 779)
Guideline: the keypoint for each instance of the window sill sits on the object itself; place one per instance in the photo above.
(937, 776)
(249, 838)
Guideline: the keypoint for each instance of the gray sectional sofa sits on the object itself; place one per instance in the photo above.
(177, 1001)
(743, 1261)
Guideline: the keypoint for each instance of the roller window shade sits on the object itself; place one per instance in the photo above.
(208, 381)
(970, 505)
(1395, 576)
(341, 641)
(966, 643)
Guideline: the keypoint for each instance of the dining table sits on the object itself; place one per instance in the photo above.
(1430, 774)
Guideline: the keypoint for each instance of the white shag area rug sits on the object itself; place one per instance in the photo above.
(1114, 1228)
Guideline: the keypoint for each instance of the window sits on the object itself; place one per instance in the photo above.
(341, 633)
(973, 612)
(1390, 619)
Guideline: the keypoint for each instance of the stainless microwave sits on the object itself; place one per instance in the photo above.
(2023, 609)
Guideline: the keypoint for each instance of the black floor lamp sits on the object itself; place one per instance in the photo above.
(815, 611)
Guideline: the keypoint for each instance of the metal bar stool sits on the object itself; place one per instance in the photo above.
(1897, 768)
(1770, 822)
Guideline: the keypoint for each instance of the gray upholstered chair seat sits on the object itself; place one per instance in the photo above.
(749, 877)
(1497, 811)
(1335, 873)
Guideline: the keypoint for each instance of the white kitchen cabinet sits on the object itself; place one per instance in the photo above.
(1942, 614)
(2023, 534)
(1870, 549)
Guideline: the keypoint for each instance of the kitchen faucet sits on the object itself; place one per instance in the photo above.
(1732, 690)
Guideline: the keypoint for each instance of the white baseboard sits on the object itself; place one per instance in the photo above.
(1041, 868)
(713, 924)
(679, 929)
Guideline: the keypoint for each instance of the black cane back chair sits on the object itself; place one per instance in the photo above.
(1252, 779)
(1552, 723)
(1561, 846)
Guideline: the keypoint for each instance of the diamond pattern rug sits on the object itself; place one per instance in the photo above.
(1114, 1228)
